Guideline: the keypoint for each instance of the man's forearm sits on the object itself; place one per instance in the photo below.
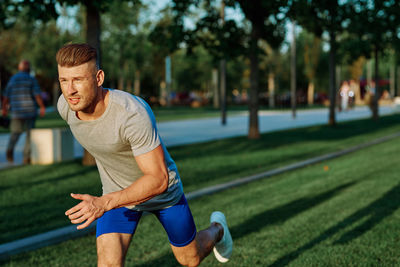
(143, 189)
(39, 100)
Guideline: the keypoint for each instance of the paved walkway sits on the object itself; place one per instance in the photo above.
(201, 130)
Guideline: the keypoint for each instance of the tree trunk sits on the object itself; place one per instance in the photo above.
(271, 90)
(392, 80)
(398, 81)
(375, 100)
(93, 29)
(121, 82)
(254, 132)
(222, 85)
(137, 83)
(93, 38)
(168, 80)
(310, 93)
(357, 92)
(214, 85)
(56, 93)
(369, 72)
(332, 78)
(129, 85)
(293, 97)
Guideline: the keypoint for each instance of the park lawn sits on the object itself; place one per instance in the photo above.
(341, 212)
(40, 194)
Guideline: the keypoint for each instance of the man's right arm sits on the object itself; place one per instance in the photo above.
(6, 98)
(5, 106)
(39, 100)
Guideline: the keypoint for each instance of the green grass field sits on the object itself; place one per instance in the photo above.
(40, 194)
(342, 212)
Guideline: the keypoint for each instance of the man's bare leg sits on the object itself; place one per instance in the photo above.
(112, 248)
(193, 253)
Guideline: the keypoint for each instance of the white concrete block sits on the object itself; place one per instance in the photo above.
(51, 145)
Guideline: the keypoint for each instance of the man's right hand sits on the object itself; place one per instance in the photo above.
(42, 111)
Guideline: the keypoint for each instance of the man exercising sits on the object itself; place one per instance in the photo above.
(136, 170)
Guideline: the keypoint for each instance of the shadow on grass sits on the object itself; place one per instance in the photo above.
(285, 212)
(376, 211)
(256, 164)
(43, 214)
(263, 219)
(34, 176)
(43, 198)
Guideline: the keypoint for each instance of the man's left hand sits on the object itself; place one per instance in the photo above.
(88, 210)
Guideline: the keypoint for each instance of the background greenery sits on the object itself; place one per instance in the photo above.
(133, 50)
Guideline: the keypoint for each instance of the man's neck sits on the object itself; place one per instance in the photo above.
(96, 110)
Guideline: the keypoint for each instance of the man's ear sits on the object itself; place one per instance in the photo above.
(100, 77)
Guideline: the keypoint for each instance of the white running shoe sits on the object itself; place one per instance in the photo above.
(222, 249)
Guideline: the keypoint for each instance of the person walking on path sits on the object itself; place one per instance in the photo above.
(22, 95)
(136, 171)
(344, 95)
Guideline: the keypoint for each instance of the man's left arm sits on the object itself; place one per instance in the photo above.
(153, 182)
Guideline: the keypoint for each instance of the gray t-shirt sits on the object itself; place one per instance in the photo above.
(126, 129)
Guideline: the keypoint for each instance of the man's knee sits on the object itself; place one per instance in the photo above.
(109, 262)
(188, 260)
(109, 257)
(188, 255)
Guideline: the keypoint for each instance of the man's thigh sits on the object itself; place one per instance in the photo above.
(178, 223)
(112, 248)
(114, 232)
(181, 230)
(17, 126)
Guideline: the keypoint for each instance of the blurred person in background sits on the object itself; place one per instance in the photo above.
(22, 97)
(344, 95)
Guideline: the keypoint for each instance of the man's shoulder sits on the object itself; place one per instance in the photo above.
(131, 109)
(127, 101)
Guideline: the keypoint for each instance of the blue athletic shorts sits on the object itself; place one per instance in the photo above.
(177, 221)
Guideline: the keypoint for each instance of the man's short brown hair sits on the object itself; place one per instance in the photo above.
(72, 55)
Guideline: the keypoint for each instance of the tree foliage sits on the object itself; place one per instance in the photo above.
(375, 24)
(319, 16)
